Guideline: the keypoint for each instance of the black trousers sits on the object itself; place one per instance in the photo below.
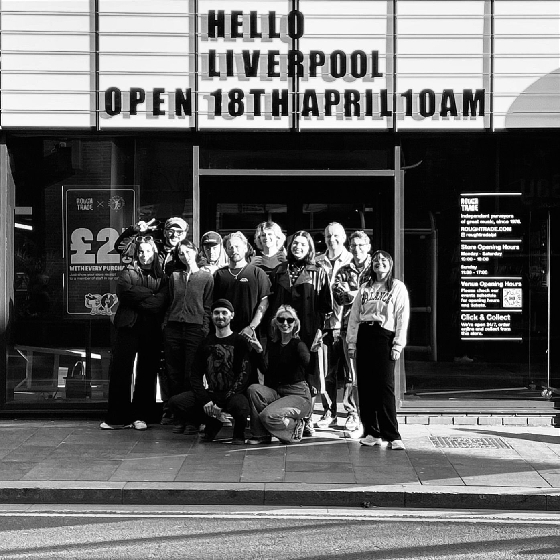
(188, 409)
(376, 382)
(335, 357)
(142, 340)
(181, 343)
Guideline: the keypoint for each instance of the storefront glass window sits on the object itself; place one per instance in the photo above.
(478, 267)
(73, 199)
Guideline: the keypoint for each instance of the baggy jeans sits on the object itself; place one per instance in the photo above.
(276, 411)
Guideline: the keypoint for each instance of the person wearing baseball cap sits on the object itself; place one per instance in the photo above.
(221, 360)
(174, 231)
(212, 254)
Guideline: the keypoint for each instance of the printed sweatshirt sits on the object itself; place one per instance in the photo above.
(375, 303)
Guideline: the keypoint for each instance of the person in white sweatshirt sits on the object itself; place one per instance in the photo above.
(376, 337)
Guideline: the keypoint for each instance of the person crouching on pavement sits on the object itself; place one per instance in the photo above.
(279, 407)
(222, 360)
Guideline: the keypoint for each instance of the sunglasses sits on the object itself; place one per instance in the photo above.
(289, 320)
(144, 238)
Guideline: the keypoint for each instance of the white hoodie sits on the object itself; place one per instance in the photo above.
(374, 303)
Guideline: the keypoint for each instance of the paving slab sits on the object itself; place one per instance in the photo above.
(72, 461)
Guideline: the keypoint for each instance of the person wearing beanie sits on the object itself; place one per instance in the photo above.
(221, 361)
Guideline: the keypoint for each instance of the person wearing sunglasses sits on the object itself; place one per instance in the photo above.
(279, 407)
(138, 322)
(304, 285)
(377, 329)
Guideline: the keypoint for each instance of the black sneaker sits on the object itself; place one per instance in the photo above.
(210, 433)
(308, 429)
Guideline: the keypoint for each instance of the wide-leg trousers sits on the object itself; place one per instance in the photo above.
(376, 382)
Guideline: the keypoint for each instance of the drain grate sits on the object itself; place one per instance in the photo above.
(469, 443)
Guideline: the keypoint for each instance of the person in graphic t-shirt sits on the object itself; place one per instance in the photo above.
(246, 286)
(221, 360)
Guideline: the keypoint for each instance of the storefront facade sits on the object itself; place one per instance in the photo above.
(431, 125)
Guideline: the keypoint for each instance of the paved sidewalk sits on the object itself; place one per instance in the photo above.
(467, 467)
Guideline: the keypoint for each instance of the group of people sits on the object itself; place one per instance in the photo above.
(257, 334)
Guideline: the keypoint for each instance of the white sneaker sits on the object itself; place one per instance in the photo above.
(397, 444)
(371, 441)
(139, 425)
(354, 434)
(105, 426)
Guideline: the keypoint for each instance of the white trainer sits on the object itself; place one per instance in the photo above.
(139, 425)
(397, 445)
(371, 441)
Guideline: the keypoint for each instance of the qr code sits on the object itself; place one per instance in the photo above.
(512, 297)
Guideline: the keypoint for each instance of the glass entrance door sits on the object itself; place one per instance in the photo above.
(309, 203)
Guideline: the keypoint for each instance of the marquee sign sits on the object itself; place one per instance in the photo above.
(273, 64)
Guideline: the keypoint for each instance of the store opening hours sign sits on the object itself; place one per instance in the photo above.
(93, 220)
(491, 290)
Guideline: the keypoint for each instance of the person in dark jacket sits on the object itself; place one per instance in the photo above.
(167, 240)
(138, 322)
(278, 407)
(301, 283)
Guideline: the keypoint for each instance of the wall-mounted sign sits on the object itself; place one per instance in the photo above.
(491, 290)
(264, 65)
(277, 64)
(93, 220)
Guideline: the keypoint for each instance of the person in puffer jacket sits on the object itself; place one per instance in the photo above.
(138, 322)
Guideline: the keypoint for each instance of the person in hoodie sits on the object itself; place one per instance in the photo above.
(377, 329)
(212, 254)
(138, 323)
(187, 321)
